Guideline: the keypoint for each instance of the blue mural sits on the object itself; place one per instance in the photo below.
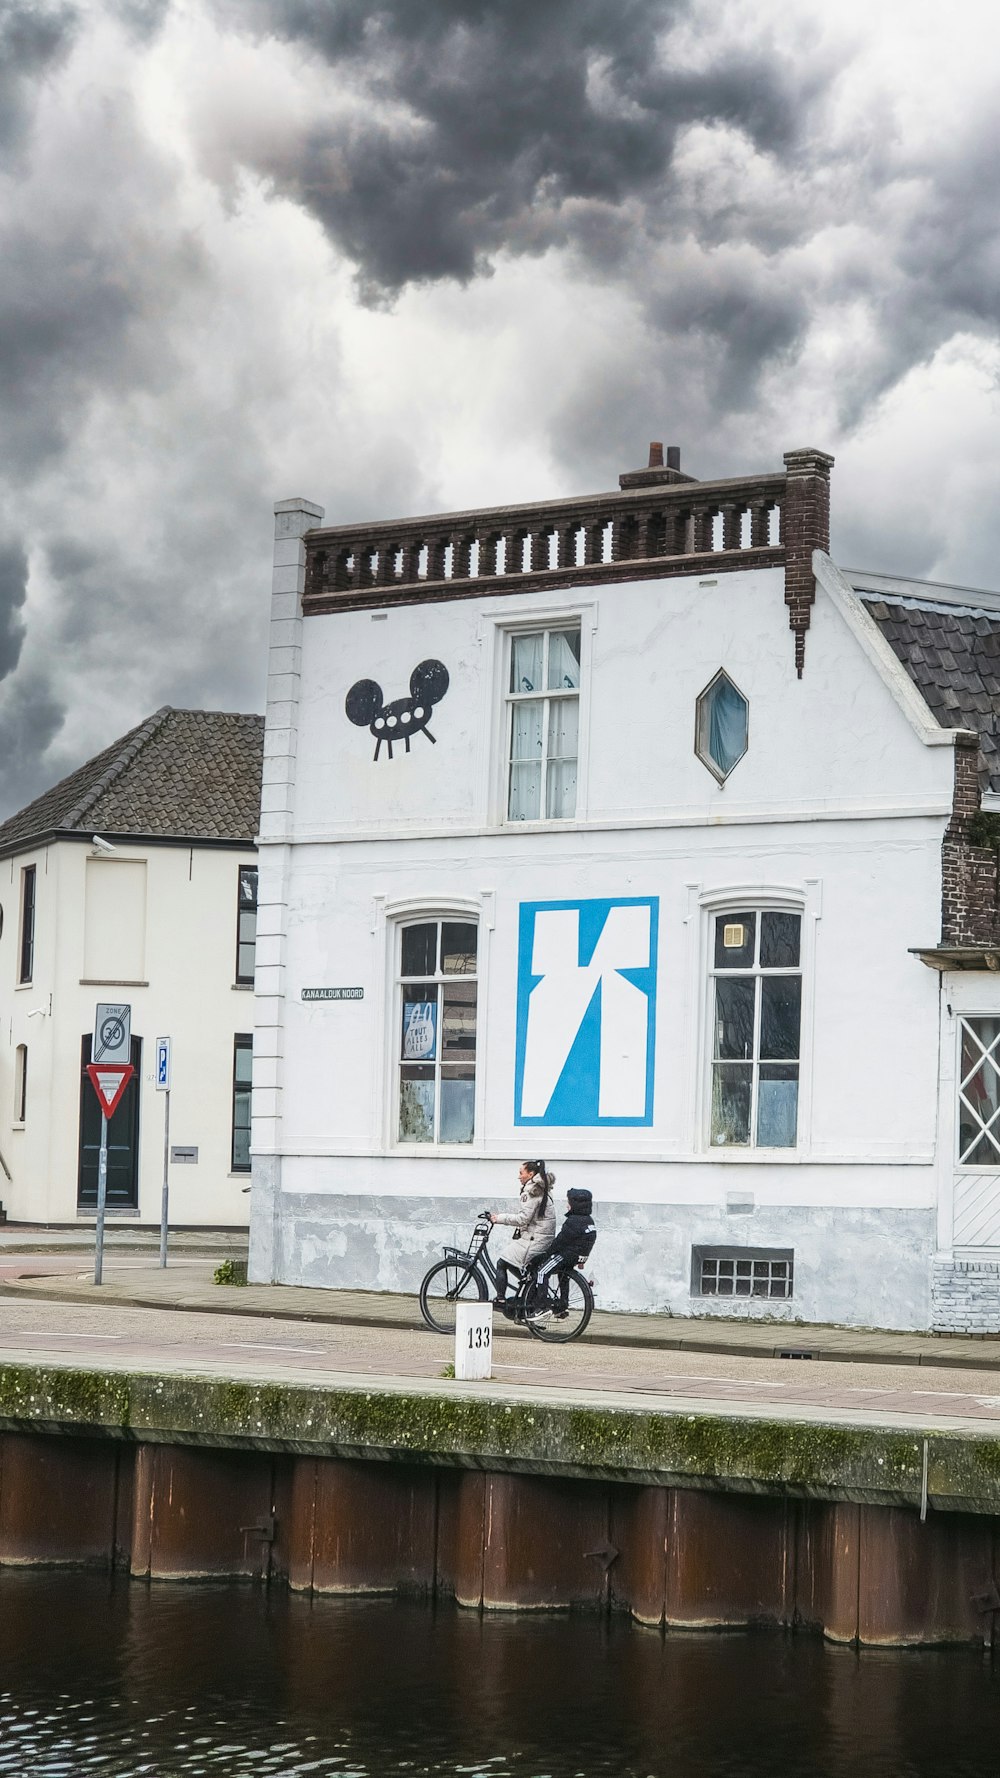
(586, 1012)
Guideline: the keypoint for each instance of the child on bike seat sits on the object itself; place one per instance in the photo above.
(571, 1246)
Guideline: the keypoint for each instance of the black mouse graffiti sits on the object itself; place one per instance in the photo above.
(406, 716)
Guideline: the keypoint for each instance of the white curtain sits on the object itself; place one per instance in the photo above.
(526, 761)
(526, 662)
(564, 660)
(563, 743)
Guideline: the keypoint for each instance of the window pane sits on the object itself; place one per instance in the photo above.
(731, 1103)
(248, 886)
(734, 998)
(740, 930)
(526, 729)
(458, 947)
(244, 1062)
(525, 792)
(560, 779)
(560, 790)
(526, 662)
(779, 941)
(564, 660)
(727, 725)
(978, 1133)
(777, 1105)
(458, 1035)
(416, 1105)
(420, 949)
(458, 1104)
(780, 1012)
(419, 1033)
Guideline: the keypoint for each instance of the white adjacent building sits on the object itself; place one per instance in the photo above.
(133, 881)
(631, 832)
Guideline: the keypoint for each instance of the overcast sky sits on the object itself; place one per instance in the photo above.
(437, 253)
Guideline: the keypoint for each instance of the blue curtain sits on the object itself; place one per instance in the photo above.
(727, 725)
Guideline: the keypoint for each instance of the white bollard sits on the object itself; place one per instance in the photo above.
(473, 1340)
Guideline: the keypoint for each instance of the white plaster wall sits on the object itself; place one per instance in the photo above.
(187, 993)
(837, 800)
(834, 739)
(870, 1023)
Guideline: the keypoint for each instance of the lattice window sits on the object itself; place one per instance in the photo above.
(979, 1093)
(743, 1271)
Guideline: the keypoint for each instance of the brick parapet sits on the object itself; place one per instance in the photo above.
(638, 532)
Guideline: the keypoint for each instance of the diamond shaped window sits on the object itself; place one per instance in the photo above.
(722, 717)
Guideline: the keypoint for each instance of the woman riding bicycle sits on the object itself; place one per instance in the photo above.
(533, 1222)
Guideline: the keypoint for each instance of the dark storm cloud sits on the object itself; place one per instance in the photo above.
(33, 37)
(94, 269)
(13, 592)
(31, 716)
(487, 123)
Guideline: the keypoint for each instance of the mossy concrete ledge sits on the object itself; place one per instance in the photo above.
(802, 1459)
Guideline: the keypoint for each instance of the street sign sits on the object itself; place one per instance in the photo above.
(163, 1064)
(109, 1081)
(112, 1034)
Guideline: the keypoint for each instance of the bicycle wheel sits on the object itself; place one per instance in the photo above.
(444, 1284)
(544, 1318)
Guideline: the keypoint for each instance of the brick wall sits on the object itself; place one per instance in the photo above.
(970, 889)
(965, 1296)
(806, 527)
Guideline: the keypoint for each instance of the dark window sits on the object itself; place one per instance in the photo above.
(757, 1018)
(27, 924)
(246, 924)
(742, 1271)
(242, 1072)
(20, 1082)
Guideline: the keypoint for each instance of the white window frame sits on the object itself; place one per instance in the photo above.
(545, 697)
(498, 622)
(396, 916)
(804, 899)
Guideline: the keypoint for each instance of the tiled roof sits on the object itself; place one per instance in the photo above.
(182, 774)
(952, 654)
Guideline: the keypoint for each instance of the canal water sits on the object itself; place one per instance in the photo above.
(116, 1679)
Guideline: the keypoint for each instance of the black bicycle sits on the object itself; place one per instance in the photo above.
(468, 1276)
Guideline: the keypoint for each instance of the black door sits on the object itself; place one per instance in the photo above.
(123, 1139)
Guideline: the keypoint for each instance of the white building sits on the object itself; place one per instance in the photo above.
(631, 832)
(161, 915)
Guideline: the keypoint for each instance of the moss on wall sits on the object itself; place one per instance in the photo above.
(443, 1426)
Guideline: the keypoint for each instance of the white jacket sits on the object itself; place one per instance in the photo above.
(534, 1227)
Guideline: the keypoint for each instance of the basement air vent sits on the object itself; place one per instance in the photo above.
(742, 1271)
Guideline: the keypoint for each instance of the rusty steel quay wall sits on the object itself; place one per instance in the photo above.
(683, 1520)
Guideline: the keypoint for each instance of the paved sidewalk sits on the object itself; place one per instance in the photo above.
(188, 1286)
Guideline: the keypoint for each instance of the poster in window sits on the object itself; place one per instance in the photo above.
(419, 1030)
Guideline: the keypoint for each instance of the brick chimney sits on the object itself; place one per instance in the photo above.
(656, 474)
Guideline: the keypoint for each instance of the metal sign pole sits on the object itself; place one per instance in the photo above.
(102, 1194)
(166, 1177)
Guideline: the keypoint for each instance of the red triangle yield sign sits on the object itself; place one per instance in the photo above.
(109, 1080)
